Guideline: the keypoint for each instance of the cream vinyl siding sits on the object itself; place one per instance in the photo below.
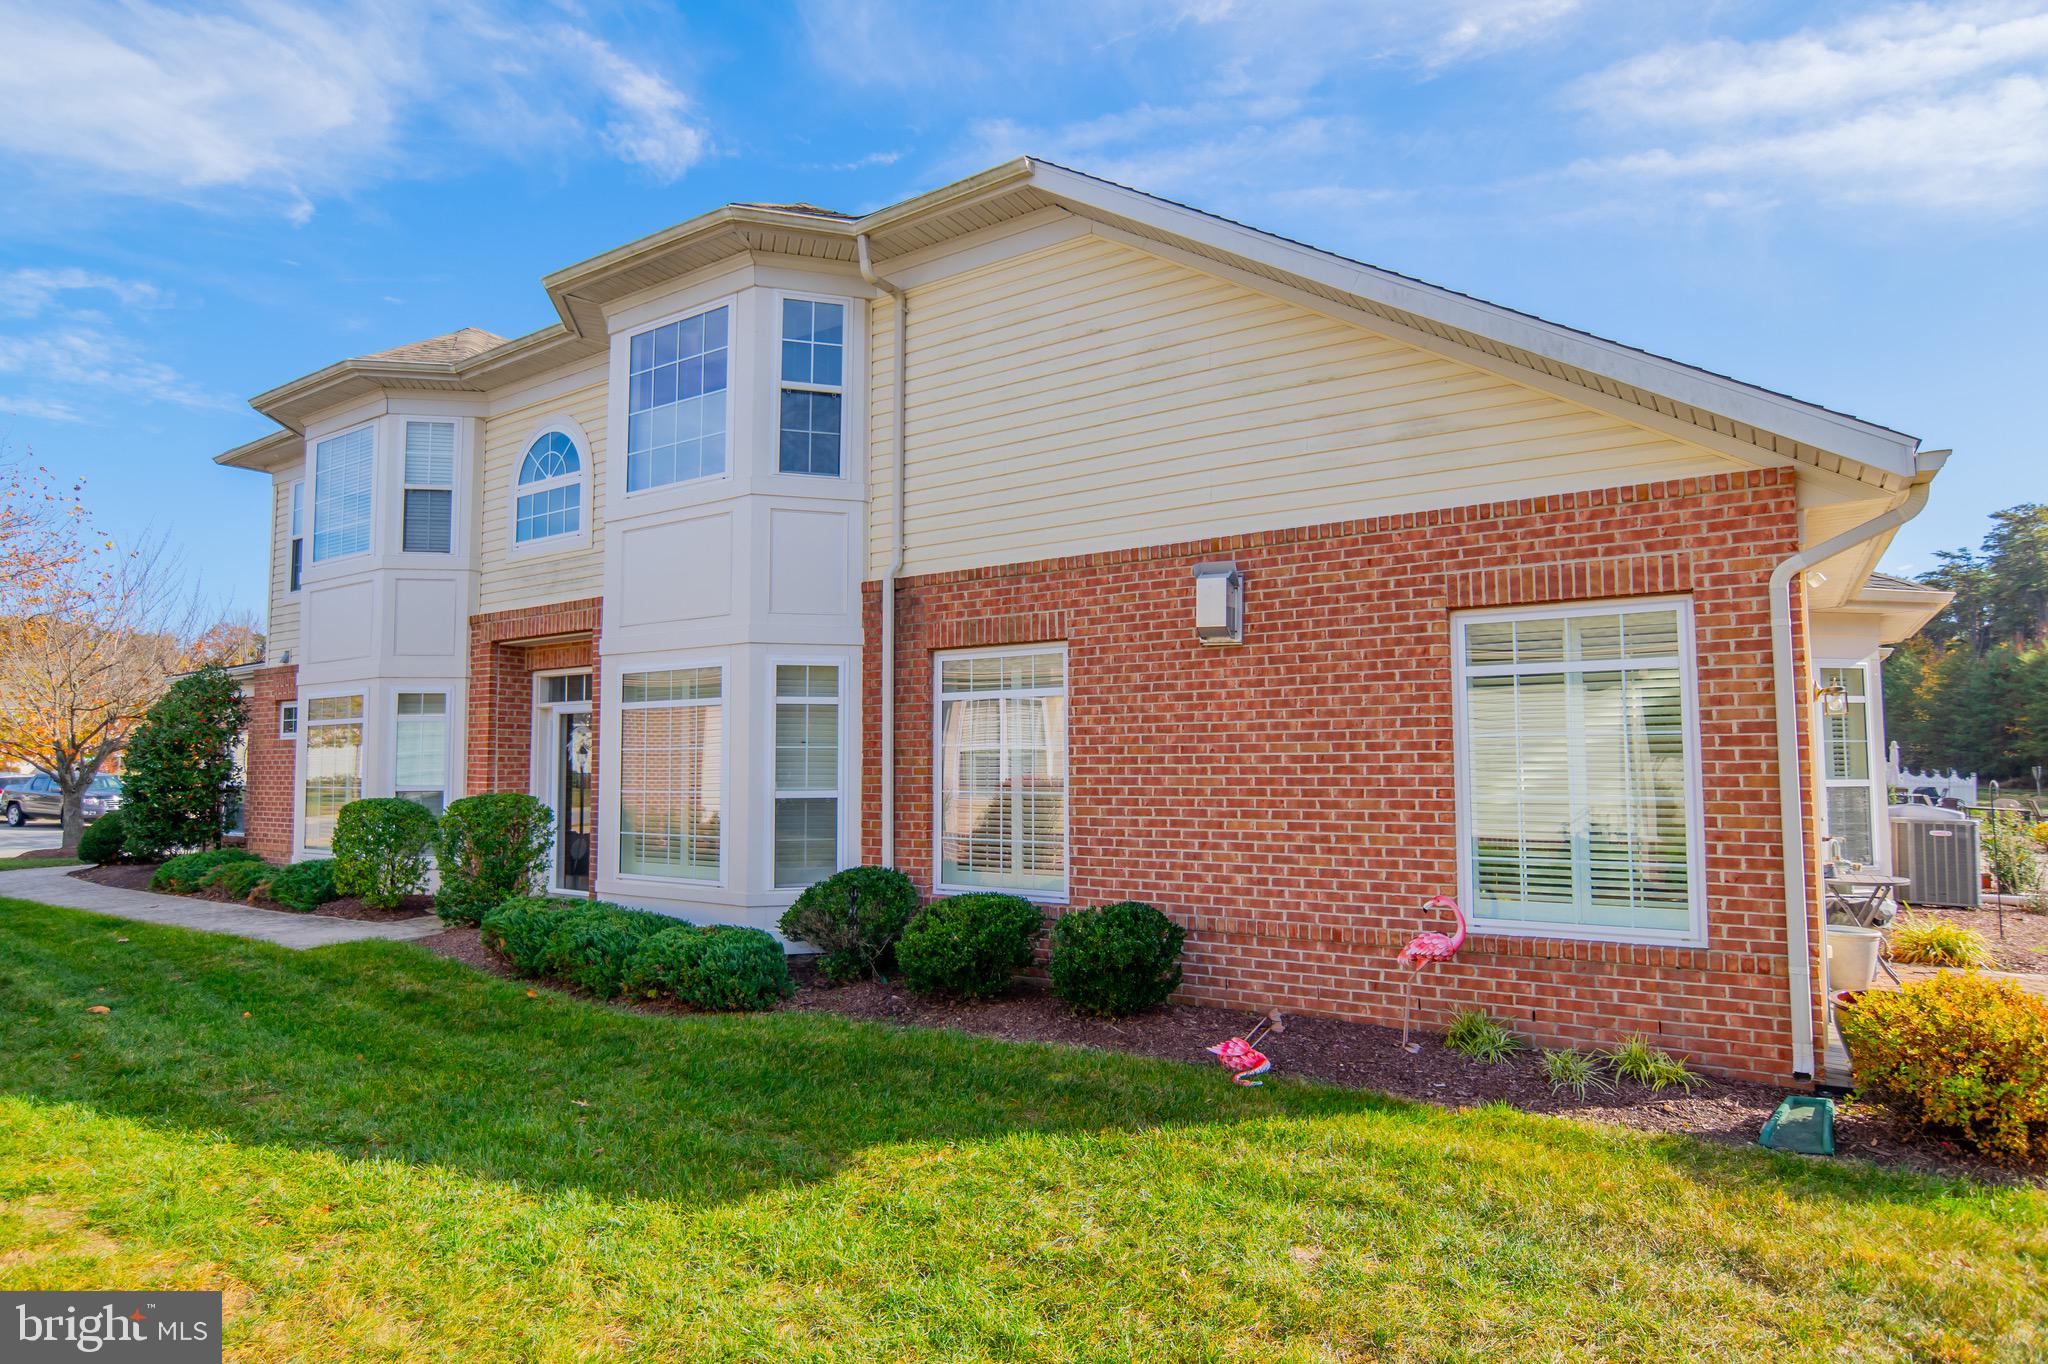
(1090, 396)
(538, 577)
(283, 631)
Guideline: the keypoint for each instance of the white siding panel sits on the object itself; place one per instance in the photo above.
(1090, 396)
(282, 634)
(504, 582)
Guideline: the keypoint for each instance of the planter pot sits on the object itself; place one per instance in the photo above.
(1852, 956)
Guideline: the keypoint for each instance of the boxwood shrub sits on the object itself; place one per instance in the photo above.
(305, 886)
(593, 942)
(521, 929)
(380, 849)
(854, 917)
(185, 874)
(490, 849)
(715, 968)
(240, 880)
(100, 844)
(1115, 959)
(969, 946)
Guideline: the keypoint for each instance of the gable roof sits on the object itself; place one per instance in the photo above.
(1726, 414)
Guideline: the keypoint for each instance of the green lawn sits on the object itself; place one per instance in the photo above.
(379, 1154)
(27, 860)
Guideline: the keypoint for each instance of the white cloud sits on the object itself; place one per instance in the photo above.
(88, 356)
(1944, 109)
(27, 292)
(286, 101)
(41, 408)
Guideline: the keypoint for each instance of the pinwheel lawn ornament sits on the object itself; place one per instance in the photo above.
(1241, 1058)
(1424, 949)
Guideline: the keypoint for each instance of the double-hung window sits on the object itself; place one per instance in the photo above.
(1852, 797)
(675, 401)
(806, 772)
(420, 748)
(334, 762)
(429, 488)
(671, 773)
(1579, 771)
(813, 386)
(287, 719)
(344, 470)
(1002, 771)
(298, 534)
(550, 499)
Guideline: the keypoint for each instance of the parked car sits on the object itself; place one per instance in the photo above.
(37, 797)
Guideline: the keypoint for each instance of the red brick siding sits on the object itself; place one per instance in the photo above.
(269, 797)
(506, 648)
(1291, 800)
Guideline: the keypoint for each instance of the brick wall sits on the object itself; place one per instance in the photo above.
(506, 648)
(269, 796)
(1291, 800)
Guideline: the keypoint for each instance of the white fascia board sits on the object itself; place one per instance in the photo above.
(1864, 442)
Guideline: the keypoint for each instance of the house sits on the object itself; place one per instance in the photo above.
(1038, 534)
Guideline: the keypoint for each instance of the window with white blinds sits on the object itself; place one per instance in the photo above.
(1002, 772)
(419, 738)
(334, 761)
(675, 401)
(1852, 796)
(298, 535)
(671, 773)
(429, 487)
(806, 773)
(1578, 763)
(344, 479)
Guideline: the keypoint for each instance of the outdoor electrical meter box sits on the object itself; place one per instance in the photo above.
(1219, 604)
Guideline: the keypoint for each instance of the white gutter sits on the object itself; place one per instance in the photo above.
(1791, 789)
(895, 566)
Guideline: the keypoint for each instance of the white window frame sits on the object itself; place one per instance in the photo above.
(940, 886)
(579, 538)
(407, 487)
(295, 537)
(399, 721)
(313, 527)
(612, 835)
(1874, 761)
(841, 765)
(1695, 934)
(734, 348)
(306, 726)
(287, 720)
(845, 306)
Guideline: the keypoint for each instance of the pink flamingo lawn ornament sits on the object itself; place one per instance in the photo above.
(1424, 949)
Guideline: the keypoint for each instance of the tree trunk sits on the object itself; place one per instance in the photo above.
(73, 818)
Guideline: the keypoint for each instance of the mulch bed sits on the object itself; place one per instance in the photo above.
(1355, 1055)
(135, 876)
(2024, 946)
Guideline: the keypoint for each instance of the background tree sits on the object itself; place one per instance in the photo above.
(180, 788)
(42, 529)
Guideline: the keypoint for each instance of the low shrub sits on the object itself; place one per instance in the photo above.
(521, 929)
(1573, 1072)
(305, 886)
(1115, 960)
(2009, 853)
(101, 842)
(490, 849)
(854, 918)
(969, 946)
(380, 849)
(1475, 1035)
(185, 874)
(1926, 941)
(1636, 1060)
(593, 943)
(2040, 835)
(240, 880)
(1962, 1052)
(717, 968)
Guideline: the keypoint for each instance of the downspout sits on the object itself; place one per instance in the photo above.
(895, 564)
(1791, 787)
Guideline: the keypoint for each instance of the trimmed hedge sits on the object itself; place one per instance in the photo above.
(305, 886)
(854, 917)
(1115, 960)
(380, 849)
(609, 949)
(490, 849)
(183, 875)
(100, 844)
(969, 946)
(240, 879)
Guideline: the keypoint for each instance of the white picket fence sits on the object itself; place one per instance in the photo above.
(1962, 788)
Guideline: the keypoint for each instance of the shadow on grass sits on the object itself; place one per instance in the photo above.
(378, 1049)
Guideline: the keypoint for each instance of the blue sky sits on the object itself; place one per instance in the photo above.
(1842, 202)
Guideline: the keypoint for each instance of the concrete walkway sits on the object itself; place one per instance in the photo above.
(56, 886)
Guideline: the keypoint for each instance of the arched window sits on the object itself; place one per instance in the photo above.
(550, 499)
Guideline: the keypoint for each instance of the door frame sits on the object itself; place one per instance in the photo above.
(545, 769)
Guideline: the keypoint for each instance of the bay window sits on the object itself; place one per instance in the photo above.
(671, 773)
(806, 772)
(1578, 760)
(298, 536)
(334, 763)
(344, 469)
(813, 364)
(675, 401)
(419, 739)
(1002, 771)
(429, 523)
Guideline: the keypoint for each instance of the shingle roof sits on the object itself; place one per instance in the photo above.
(451, 349)
(1894, 583)
(811, 209)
